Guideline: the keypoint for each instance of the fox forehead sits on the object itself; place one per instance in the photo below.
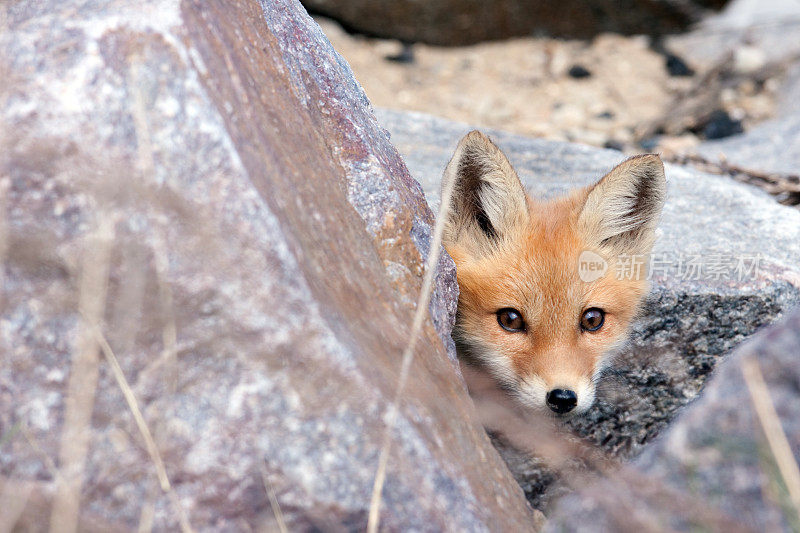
(535, 270)
(535, 267)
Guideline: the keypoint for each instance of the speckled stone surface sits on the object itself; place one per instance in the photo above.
(687, 324)
(712, 470)
(262, 242)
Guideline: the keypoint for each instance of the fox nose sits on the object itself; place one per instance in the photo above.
(562, 400)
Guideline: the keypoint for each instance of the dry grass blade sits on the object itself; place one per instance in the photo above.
(408, 356)
(133, 405)
(5, 185)
(150, 443)
(139, 112)
(31, 440)
(13, 499)
(273, 500)
(771, 424)
(146, 166)
(5, 181)
(82, 386)
(146, 517)
(169, 333)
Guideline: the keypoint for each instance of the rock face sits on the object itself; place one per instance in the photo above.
(461, 22)
(714, 462)
(755, 34)
(199, 191)
(771, 148)
(725, 264)
(754, 31)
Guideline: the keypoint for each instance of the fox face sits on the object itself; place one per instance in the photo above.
(531, 312)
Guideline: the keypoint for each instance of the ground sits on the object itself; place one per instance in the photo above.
(613, 91)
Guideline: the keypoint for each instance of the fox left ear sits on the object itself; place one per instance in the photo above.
(488, 201)
(622, 210)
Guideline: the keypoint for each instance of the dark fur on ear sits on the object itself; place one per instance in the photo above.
(488, 199)
(622, 210)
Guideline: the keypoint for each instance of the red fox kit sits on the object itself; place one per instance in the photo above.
(530, 312)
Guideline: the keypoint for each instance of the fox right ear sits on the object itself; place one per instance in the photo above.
(488, 200)
(621, 211)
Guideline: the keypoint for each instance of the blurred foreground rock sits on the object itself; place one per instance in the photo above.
(462, 22)
(713, 470)
(727, 263)
(201, 189)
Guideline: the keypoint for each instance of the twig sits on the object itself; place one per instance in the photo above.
(773, 183)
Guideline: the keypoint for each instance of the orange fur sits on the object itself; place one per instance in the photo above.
(528, 260)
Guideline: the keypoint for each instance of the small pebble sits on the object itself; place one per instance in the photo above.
(721, 125)
(406, 54)
(578, 72)
(677, 66)
(649, 144)
(748, 59)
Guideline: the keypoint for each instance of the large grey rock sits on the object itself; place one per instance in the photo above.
(789, 92)
(204, 184)
(462, 22)
(713, 470)
(688, 324)
(772, 147)
(767, 30)
(750, 36)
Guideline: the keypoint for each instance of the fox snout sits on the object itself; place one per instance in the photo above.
(527, 314)
(561, 396)
(562, 401)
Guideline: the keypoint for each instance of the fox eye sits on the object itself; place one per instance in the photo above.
(510, 320)
(592, 319)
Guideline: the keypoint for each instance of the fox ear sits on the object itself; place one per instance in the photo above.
(488, 200)
(621, 211)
